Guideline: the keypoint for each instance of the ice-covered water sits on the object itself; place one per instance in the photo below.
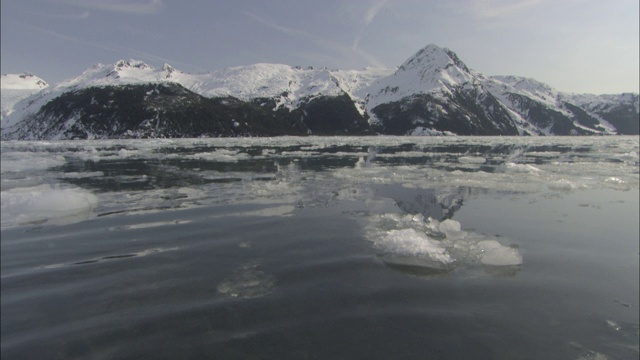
(321, 247)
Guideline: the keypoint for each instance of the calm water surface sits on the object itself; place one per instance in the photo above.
(342, 248)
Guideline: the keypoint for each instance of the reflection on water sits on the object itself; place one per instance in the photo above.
(376, 247)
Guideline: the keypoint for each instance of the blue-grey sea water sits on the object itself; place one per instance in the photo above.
(321, 248)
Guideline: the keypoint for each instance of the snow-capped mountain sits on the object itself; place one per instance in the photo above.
(431, 93)
(434, 92)
(549, 110)
(287, 85)
(15, 87)
(431, 69)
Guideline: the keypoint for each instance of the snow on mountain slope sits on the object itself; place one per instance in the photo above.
(243, 82)
(430, 70)
(532, 88)
(434, 91)
(24, 81)
(599, 102)
(15, 87)
(287, 85)
(505, 87)
(551, 97)
(123, 72)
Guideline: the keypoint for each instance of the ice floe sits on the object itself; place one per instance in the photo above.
(44, 203)
(412, 240)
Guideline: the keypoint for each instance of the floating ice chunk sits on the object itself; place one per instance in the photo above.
(519, 168)
(612, 324)
(496, 254)
(451, 229)
(413, 244)
(221, 155)
(282, 210)
(562, 185)
(8, 184)
(472, 160)
(152, 224)
(41, 203)
(593, 355)
(614, 180)
(411, 240)
(124, 153)
(81, 175)
(24, 161)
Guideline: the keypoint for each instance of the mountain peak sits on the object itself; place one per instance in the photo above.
(126, 68)
(434, 57)
(131, 63)
(431, 69)
(169, 70)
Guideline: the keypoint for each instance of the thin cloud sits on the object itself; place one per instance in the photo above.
(493, 9)
(280, 28)
(64, 37)
(356, 41)
(373, 10)
(368, 17)
(146, 7)
(120, 50)
(346, 51)
(83, 15)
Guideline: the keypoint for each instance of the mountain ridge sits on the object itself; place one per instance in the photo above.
(432, 92)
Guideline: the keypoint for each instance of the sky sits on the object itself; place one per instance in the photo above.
(582, 46)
